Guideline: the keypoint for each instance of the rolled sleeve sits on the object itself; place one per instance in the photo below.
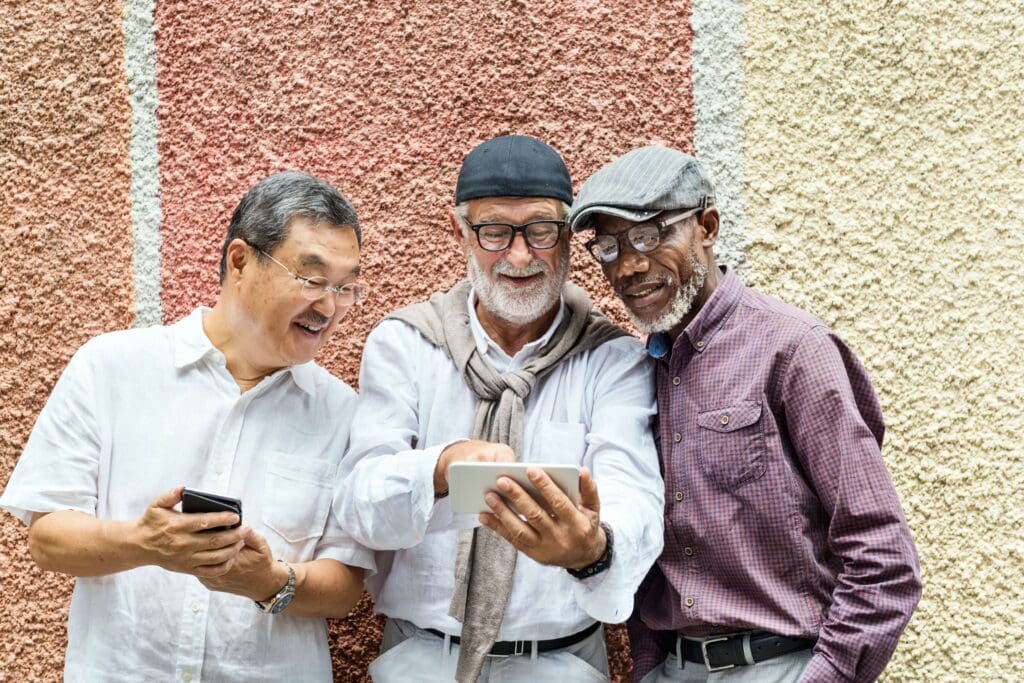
(624, 462)
(59, 468)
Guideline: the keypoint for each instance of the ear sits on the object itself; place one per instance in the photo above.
(708, 223)
(239, 255)
(456, 228)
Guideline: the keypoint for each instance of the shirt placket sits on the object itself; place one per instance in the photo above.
(673, 383)
(196, 602)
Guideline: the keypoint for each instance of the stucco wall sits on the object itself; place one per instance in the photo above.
(869, 158)
(886, 194)
(65, 259)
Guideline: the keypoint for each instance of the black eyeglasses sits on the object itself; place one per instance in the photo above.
(542, 234)
(643, 237)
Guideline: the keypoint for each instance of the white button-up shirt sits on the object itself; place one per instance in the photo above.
(594, 409)
(141, 411)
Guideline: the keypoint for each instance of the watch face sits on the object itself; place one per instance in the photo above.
(283, 602)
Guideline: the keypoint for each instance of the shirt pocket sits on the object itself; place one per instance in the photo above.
(297, 497)
(562, 443)
(732, 446)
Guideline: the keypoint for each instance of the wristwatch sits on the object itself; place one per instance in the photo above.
(283, 597)
(602, 563)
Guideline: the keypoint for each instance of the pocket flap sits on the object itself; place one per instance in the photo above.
(731, 418)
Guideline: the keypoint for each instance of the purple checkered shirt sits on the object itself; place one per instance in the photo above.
(779, 512)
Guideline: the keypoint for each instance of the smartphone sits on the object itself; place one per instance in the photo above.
(200, 501)
(469, 481)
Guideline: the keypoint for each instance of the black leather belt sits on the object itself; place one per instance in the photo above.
(508, 648)
(742, 649)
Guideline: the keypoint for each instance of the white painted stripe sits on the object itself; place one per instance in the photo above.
(718, 109)
(140, 68)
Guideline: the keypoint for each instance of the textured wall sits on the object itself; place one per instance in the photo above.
(885, 160)
(65, 258)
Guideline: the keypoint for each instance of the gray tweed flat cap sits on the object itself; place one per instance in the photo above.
(641, 184)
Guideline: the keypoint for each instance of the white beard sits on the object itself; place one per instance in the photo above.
(681, 303)
(518, 306)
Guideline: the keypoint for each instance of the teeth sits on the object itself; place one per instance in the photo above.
(640, 293)
(309, 327)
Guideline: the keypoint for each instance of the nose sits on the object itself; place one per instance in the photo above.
(326, 305)
(629, 263)
(519, 252)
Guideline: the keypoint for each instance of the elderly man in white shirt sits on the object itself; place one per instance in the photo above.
(227, 401)
(514, 343)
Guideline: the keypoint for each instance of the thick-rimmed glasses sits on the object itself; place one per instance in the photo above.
(316, 288)
(498, 236)
(643, 237)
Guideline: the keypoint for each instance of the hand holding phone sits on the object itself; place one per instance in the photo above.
(203, 545)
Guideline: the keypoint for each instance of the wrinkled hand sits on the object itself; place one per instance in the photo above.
(176, 541)
(568, 536)
(468, 451)
(255, 574)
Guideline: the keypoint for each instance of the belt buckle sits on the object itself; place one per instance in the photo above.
(704, 651)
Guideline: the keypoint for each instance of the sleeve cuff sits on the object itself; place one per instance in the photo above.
(820, 670)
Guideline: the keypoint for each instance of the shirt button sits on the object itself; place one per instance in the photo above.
(725, 419)
(220, 469)
(675, 381)
(195, 606)
(677, 437)
(679, 496)
(700, 344)
(689, 602)
(688, 550)
(186, 677)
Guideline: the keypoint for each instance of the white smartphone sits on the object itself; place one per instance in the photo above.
(469, 481)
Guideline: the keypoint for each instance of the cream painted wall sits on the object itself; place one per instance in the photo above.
(885, 193)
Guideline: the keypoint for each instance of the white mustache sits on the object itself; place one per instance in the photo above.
(533, 268)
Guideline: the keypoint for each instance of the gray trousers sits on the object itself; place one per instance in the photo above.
(411, 655)
(783, 669)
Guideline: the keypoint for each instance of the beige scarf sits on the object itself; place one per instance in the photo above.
(484, 561)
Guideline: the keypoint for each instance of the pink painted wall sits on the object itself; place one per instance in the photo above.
(381, 99)
(65, 259)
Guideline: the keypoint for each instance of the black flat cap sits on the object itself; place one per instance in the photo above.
(513, 166)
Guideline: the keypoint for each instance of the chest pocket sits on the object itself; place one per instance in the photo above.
(297, 498)
(732, 447)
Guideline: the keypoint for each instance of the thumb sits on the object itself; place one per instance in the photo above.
(168, 499)
(256, 542)
(588, 491)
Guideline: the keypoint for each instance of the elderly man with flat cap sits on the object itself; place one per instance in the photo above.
(787, 554)
(512, 364)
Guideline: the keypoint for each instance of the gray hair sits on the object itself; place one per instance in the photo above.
(263, 217)
(462, 215)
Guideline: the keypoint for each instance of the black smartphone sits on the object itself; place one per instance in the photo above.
(200, 501)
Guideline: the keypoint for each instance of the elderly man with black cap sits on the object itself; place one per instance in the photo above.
(788, 556)
(512, 364)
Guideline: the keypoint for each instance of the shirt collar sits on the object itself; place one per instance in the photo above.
(705, 325)
(484, 341)
(191, 345)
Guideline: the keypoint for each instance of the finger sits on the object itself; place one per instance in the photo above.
(219, 556)
(257, 543)
(215, 540)
(556, 500)
(169, 498)
(518, 534)
(524, 532)
(202, 521)
(588, 491)
(214, 570)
